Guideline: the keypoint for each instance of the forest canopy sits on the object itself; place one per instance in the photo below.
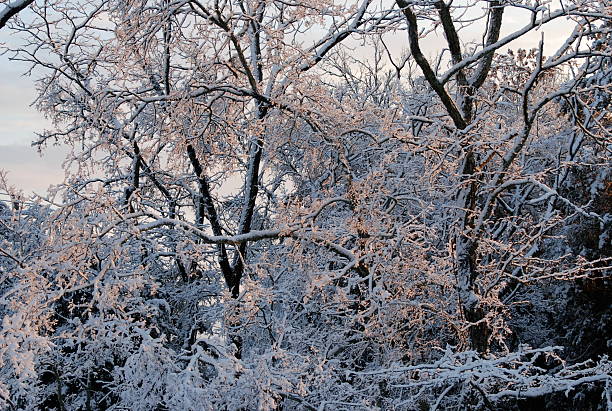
(268, 207)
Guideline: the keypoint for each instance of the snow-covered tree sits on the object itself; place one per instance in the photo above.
(257, 217)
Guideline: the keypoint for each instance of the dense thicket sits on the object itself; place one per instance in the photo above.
(266, 208)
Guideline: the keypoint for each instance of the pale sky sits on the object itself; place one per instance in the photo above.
(19, 121)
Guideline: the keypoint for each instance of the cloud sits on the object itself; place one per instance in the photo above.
(18, 119)
(28, 170)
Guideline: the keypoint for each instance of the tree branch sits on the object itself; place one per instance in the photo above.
(430, 76)
(12, 9)
(500, 43)
(493, 31)
(452, 39)
(206, 202)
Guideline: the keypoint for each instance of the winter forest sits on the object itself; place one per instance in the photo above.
(306, 205)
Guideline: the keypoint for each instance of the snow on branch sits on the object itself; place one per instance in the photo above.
(12, 9)
(520, 374)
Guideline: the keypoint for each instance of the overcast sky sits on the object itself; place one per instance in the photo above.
(19, 121)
